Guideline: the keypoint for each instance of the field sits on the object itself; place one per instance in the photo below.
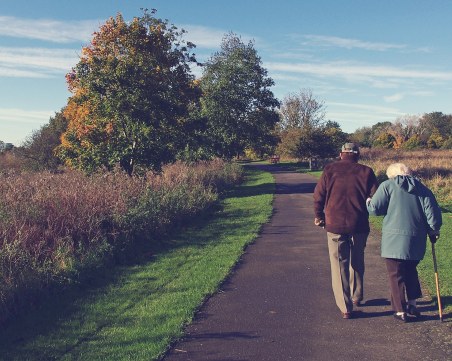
(433, 167)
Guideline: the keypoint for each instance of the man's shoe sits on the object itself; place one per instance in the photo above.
(402, 317)
(358, 303)
(413, 311)
(346, 315)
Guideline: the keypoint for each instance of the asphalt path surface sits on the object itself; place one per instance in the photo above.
(278, 303)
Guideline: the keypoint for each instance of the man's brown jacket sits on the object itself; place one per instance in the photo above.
(340, 196)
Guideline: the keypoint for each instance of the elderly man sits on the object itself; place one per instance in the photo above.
(340, 207)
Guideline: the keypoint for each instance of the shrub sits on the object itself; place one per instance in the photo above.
(53, 226)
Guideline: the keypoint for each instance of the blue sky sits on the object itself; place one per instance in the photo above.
(369, 61)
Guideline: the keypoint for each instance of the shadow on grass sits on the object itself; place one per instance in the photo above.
(62, 311)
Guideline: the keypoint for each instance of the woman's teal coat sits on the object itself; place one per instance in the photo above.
(410, 211)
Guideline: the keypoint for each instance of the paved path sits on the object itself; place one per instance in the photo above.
(278, 303)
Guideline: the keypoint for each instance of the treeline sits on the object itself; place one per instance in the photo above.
(136, 103)
(431, 130)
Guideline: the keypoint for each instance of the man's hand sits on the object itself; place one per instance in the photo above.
(319, 222)
(434, 235)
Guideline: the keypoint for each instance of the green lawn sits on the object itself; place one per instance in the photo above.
(134, 312)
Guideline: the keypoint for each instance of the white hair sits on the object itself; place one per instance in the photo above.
(396, 169)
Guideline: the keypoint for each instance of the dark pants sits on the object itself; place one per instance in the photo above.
(403, 278)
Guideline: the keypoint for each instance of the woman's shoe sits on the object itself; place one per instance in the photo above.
(401, 317)
(413, 311)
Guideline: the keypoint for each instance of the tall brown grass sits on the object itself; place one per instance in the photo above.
(433, 167)
(52, 226)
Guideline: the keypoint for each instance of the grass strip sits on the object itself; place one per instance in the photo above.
(134, 312)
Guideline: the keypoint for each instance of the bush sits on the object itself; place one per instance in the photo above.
(53, 226)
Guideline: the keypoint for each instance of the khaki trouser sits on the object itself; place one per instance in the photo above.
(347, 268)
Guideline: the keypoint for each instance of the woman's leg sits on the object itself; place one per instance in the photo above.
(413, 287)
(395, 268)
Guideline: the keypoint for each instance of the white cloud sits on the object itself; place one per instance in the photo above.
(48, 30)
(394, 98)
(54, 59)
(211, 38)
(353, 116)
(8, 72)
(358, 71)
(14, 115)
(203, 36)
(334, 41)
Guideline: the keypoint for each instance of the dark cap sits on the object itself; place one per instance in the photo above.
(350, 148)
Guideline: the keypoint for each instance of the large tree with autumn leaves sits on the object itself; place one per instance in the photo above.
(132, 92)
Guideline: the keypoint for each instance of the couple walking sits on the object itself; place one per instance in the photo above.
(343, 198)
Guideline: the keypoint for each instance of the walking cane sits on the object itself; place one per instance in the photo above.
(437, 280)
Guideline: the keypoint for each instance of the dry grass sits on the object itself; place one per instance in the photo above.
(54, 225)
(433, 167)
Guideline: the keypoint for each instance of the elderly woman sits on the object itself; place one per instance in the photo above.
(411, 212)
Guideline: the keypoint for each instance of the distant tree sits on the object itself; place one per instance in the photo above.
(384, 140)
(321, 142)
(39, 148)
(413, 143)
(304, 133)
(131, 96)
(302, 110)
(362, 136)
(289, 140)
(435, 122)
(237, 102)
(447, 144)
(404, 128)
(379, 129)
(436, 140)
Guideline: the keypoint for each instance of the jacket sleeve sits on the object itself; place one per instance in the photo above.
(373, 183)
(320, 197)
(432, 211)
(378, 205)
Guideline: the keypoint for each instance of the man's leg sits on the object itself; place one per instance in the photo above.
(339, 250)
(357, 266)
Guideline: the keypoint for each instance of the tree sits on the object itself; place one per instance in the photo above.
(413, 142)
(131, 94)
(237, 102)
(303, 130)
(362, 136)
(302, 110)
(404, 128)
(379, 129)
(322, 141)
(435, 122)
(384, 140)
(39, 148)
